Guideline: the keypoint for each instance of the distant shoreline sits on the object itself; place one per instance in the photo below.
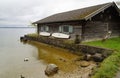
(17, 27)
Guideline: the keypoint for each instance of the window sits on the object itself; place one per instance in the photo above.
(66, 29)
(44, 28)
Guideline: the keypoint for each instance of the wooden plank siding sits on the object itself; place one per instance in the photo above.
(95, 30)
(95, 24)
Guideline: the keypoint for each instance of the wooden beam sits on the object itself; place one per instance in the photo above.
(83, 30)
(38, 29)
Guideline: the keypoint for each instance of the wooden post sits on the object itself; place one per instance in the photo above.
(38, 29)
(82, 32)
(107, 27)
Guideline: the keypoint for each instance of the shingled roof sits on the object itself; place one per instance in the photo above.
(79, 14)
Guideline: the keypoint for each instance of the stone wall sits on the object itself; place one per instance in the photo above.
(75, 48)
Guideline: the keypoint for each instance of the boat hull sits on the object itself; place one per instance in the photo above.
(44, 34)
(60, 35)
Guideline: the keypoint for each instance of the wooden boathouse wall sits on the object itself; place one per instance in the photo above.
(93, 28)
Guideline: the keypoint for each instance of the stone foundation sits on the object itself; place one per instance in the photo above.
(75, 48)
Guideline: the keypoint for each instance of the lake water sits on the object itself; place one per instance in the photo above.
(13, 52)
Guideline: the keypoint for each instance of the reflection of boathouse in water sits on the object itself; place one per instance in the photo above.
(89, 23)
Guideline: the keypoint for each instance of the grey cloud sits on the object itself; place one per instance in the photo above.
(23, 11)
(2, 19)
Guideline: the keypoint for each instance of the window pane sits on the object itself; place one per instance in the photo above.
(44, 28)
(66, 28)
(60, 28)
(70, 29)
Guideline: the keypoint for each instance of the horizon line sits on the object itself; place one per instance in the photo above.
(15, 27)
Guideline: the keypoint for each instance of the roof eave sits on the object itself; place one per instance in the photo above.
(97, 11)
(117, 8)
(59, 21)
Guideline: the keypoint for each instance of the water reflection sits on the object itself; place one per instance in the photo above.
(62, 58)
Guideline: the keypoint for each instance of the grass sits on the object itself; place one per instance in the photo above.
(113, 43)
(110, 65)
(33, 35)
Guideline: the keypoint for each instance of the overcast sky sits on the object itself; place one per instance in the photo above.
(23, 12)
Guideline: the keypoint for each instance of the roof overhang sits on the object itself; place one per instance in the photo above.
(118, 9)
(87, 17)
(102, 10)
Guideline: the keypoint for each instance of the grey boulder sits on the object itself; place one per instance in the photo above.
(51, 69)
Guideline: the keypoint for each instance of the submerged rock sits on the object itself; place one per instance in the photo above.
(62, 60)
(84, 64)
(51, 69)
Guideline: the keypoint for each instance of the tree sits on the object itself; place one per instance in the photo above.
(32, 24)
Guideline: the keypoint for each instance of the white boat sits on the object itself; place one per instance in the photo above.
(45, 34)
(60, 35)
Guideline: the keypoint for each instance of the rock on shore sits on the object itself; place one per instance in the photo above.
(51, 69)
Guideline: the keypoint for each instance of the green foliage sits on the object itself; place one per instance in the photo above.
(32, 24)
(113, 43)
(110, 65)
(33, 35)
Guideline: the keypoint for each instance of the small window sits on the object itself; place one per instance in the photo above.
(44, 28)
(66, 29)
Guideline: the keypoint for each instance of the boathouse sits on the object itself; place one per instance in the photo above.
(89, 23)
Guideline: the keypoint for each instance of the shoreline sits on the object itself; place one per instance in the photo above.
(71, 68)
